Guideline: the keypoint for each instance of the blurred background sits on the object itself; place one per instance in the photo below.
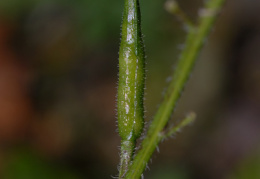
(58, 75)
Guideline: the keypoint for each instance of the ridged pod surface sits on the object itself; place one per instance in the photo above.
(131, 74)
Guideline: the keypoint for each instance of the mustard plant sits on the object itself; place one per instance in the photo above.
(132, 80)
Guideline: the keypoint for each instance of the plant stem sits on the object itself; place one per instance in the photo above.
(127, 150)
(173, 7)
(184, 122)
(195, 39)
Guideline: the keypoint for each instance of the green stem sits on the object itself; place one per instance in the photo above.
(127, 150)
(173, 7)
(194, 42)
(184, 122)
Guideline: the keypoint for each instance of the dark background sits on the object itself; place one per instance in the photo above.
(58, 75)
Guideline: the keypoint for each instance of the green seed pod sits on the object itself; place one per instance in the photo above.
(131, 74)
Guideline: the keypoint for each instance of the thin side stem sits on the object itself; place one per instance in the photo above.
(184, 122)
(173, 7)
(195, 39)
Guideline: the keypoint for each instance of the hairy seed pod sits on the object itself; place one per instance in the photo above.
(131, 74)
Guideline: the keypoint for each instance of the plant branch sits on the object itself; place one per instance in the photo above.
(173, 7)
(184, 122)
(195, 39)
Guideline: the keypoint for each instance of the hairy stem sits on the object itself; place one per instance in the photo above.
(173, 7)
(127, 150)
(195, 40)
(184, 122)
